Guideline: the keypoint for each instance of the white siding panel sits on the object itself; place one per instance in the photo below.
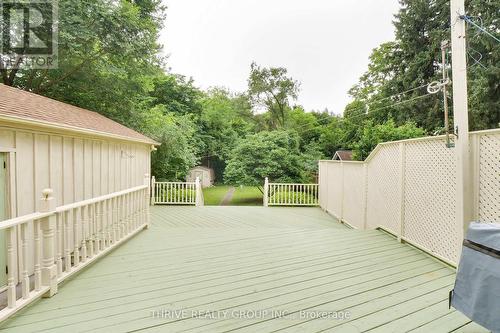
(78, 167)
(42, 166)
(56, 168)
(7, 138)
(87, 169)
(96, 168)
(68, 171)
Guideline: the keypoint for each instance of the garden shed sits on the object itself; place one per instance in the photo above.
(77, 153)
(206, 175)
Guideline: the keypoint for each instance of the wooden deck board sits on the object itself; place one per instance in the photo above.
(232, 260)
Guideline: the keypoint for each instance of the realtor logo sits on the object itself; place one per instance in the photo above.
(28, 33)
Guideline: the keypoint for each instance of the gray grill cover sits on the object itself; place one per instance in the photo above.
(477, 286)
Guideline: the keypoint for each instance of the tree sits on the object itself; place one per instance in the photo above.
(310, 157)
(306, 124)
(272, 154)
(176, 93)
(484, 70)
(177, 152)
(107, 51)
(225, 118)
(374, 134)
(414, 60)
(272, 89)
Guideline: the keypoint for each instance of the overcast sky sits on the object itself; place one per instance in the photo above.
(324, 44)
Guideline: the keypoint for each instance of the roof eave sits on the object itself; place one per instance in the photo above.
(57, 126)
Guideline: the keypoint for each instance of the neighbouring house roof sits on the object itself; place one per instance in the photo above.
(343, 155)
(201, 167)
(19, 104)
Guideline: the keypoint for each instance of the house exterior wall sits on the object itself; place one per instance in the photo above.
(75, 166)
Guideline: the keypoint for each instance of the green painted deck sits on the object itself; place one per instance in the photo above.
(252, 269)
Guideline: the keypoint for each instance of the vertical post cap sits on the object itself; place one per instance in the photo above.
(47, 193)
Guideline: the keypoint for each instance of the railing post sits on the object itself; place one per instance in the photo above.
(147, 217)
(48, 226)
(11, 263)
(199, 194)
(342, 193)
(266, 192)
(153, 190)
(365, 195)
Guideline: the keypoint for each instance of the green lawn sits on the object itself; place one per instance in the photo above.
(247, 196)
(243, 196)
(214, 194)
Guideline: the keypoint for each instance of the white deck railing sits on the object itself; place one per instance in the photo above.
(290, 194)
(176, 193)
(60, 241)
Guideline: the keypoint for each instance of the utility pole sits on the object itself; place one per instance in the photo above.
(460, 114)
(444, 46)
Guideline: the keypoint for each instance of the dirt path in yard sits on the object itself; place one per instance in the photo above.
(227, 198)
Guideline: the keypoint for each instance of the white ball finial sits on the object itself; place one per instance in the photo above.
(47, 193)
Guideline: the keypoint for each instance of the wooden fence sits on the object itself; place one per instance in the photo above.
(176, 193)
(66, 239)
(290, 194)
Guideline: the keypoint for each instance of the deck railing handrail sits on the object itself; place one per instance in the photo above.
(74, 205)
(5, 224)
(290, 194)
(176, 193)
(48, 246)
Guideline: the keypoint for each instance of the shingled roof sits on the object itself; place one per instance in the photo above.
(18, 103)
(343, 155)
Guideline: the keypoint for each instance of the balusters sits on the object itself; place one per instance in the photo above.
(109, 222)
(129, 215)
(174, 192)
(192, 194)
(125, 207)
(76, 236)
(84, 226)
(48, 226)
(123, 216)
(59, 241)
(107, 232)
(65, 237)
(91, 237)
(300, 193)
(134, 210)
(25, 279)
(114, 219)
(11, 263)
(308, 194)
(284, 194)
(67, 233)
(38, 252)
(99, 226)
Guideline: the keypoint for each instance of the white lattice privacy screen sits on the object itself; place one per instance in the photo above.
(487, 155)
(409, 189)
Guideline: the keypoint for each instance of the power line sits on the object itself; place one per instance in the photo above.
(376, 101)
(468, 19)
(365, 114)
